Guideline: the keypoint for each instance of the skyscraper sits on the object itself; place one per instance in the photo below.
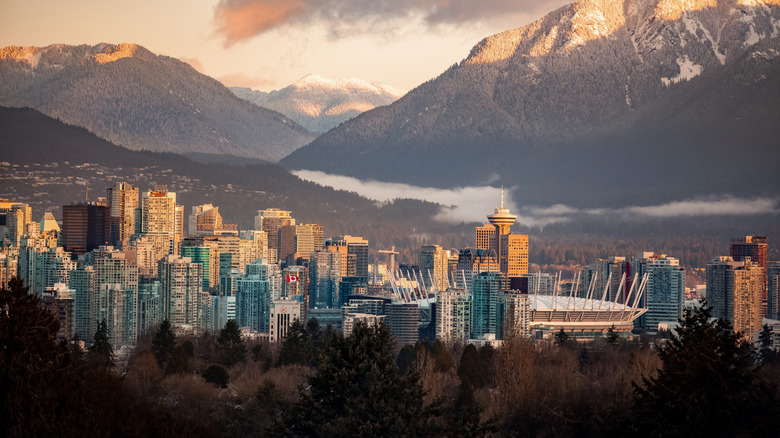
(300, 240)
(114, 294)
(453, 315)
(182, 284)
(773, 290)
(434, 265)
(324, 278)
(270, 221)
(735, 291)
(85, 227)
(665, 290)
(159, 222)
(122, 203)
(254, 296)
(488, 288)
(756, 248)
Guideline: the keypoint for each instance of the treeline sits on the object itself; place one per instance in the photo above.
(702, 381)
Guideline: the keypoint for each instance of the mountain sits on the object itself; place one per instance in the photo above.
(320, 104)
(142, 101)
(601, 102)
(48, 164)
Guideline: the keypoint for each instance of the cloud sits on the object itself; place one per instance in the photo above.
(237, 20)
(473, 204)
(461, 204)
(728, 205)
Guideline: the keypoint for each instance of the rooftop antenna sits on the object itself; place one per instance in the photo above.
(86, 197)
(502, 196)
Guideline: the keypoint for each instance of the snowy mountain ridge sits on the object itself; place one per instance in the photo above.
(597, 94)
(319, 104)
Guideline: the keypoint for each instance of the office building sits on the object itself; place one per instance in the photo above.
(270, 221)
(254, 296)
(511, 250)
(487, 290)
(403, 319)
(85, 227)
(665, 290)
(324, 279)
(282, 314)
(472, 262)
(606, 275)
(300, 241)
(515, 311)
(122, 204)
(206, 220)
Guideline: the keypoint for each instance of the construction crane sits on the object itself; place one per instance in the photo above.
(392, 253)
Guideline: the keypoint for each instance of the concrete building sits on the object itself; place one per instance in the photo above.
(454, 314)
(434, 265)
(122, 204)
(300, 240)
(773, 290)
(59, 301)
(735, 291)
(270, 221)
(404, 322)
(182, 285)
(282, 314)
(160, 222)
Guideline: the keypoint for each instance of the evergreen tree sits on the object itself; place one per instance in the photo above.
(707, 384)
(561, 338)
(613, 337)
(230, 344)
(163, 343)
(180, 363)
(217, 375)
(768, 355)
(102, 348)
(294, 349)
(356, 391)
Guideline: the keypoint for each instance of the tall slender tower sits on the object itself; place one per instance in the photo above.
(511, 249)
(122, 203)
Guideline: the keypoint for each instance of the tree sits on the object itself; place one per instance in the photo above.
(561, 338)
(102, 349)
(707, 384)
(163, 343)
(769, 355)
(357, 391)
(217, 375)
(294, 346)
(230, 344)
(613, 337)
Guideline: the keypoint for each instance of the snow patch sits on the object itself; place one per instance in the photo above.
(693, 26)
(688, 71)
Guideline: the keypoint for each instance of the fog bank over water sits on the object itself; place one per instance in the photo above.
(473, 204)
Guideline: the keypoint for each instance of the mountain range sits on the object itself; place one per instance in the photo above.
(142, 101)
(319, 104)
(601, 102)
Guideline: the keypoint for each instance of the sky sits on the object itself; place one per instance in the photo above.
(269, 44)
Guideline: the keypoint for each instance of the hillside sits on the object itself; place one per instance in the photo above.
(601, 102)
(142, 101)
(319, 104)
